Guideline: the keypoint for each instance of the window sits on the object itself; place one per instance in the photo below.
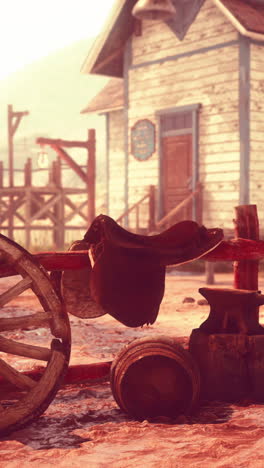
(176, 121)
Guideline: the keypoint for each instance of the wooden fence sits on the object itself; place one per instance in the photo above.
(51, 208)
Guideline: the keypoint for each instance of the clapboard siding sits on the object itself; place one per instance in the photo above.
(209, 28)
(257, 128)
(210, 78)
(116, 164)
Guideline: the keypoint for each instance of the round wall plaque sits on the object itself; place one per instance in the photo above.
(143, 139)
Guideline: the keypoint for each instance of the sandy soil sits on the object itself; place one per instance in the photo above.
(83, 427)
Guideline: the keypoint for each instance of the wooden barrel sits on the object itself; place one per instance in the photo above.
(154, 377)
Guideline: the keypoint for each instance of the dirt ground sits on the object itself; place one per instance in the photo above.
(83, 427)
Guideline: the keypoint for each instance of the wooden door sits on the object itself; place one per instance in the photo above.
(176, 171)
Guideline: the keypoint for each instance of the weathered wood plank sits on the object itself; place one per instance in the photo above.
(186, 65)
(194, 39)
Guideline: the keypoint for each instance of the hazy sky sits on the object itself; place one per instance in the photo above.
(31, 29)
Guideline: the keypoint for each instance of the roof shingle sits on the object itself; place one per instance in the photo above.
(249, 13)
(110, 98)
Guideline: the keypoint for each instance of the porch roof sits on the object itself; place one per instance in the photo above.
(110, 98)
(106, 55)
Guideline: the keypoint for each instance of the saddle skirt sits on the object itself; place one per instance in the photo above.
(128, 276)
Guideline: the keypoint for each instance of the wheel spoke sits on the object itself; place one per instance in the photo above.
(26, 350)
(38, 320)
(13, 292)
(12, 375)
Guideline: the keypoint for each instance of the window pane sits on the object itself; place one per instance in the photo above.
(176, 121)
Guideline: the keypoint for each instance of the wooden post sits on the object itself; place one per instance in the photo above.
(60, 205)
(12, 127)
(28, 183)
(209, 273)
(57, 171)
(53, 182)
(199, 205)
(28, 173)
(27, 218)
(209, 266)
(1, 174)
(11, 170)
(152, 223)
(91, 174)
(1, 182)
(247, 227)
(10, 145)
(58, 233)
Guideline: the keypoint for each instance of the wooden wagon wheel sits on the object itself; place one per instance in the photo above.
(31, 397)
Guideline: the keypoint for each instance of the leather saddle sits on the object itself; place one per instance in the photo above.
(128, 276)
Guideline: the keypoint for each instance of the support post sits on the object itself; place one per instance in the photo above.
(1, 183)
(11, 169)
(1, 174)
(27, 218)
(246, 227)
(152, 223)
(209, 273)
(246, 271)
(28, 173)
(58, 235)
(199, 205)
(28, 183)
(91, 174)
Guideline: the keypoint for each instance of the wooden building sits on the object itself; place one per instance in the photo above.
(184, 107)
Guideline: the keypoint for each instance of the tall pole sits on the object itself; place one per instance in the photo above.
(14, 119)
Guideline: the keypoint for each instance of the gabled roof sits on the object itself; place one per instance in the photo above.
(109, 99)
(106, 55)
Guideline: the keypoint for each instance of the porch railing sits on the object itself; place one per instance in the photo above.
(170, 218)
(136, 208)
(183, 208)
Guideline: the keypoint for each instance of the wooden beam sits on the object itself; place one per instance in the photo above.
(12, 208)
(45, 208)
(73, 165)
(73, 260)
(6, 206)
(76, 210)
(18, 116)
(59, 142)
